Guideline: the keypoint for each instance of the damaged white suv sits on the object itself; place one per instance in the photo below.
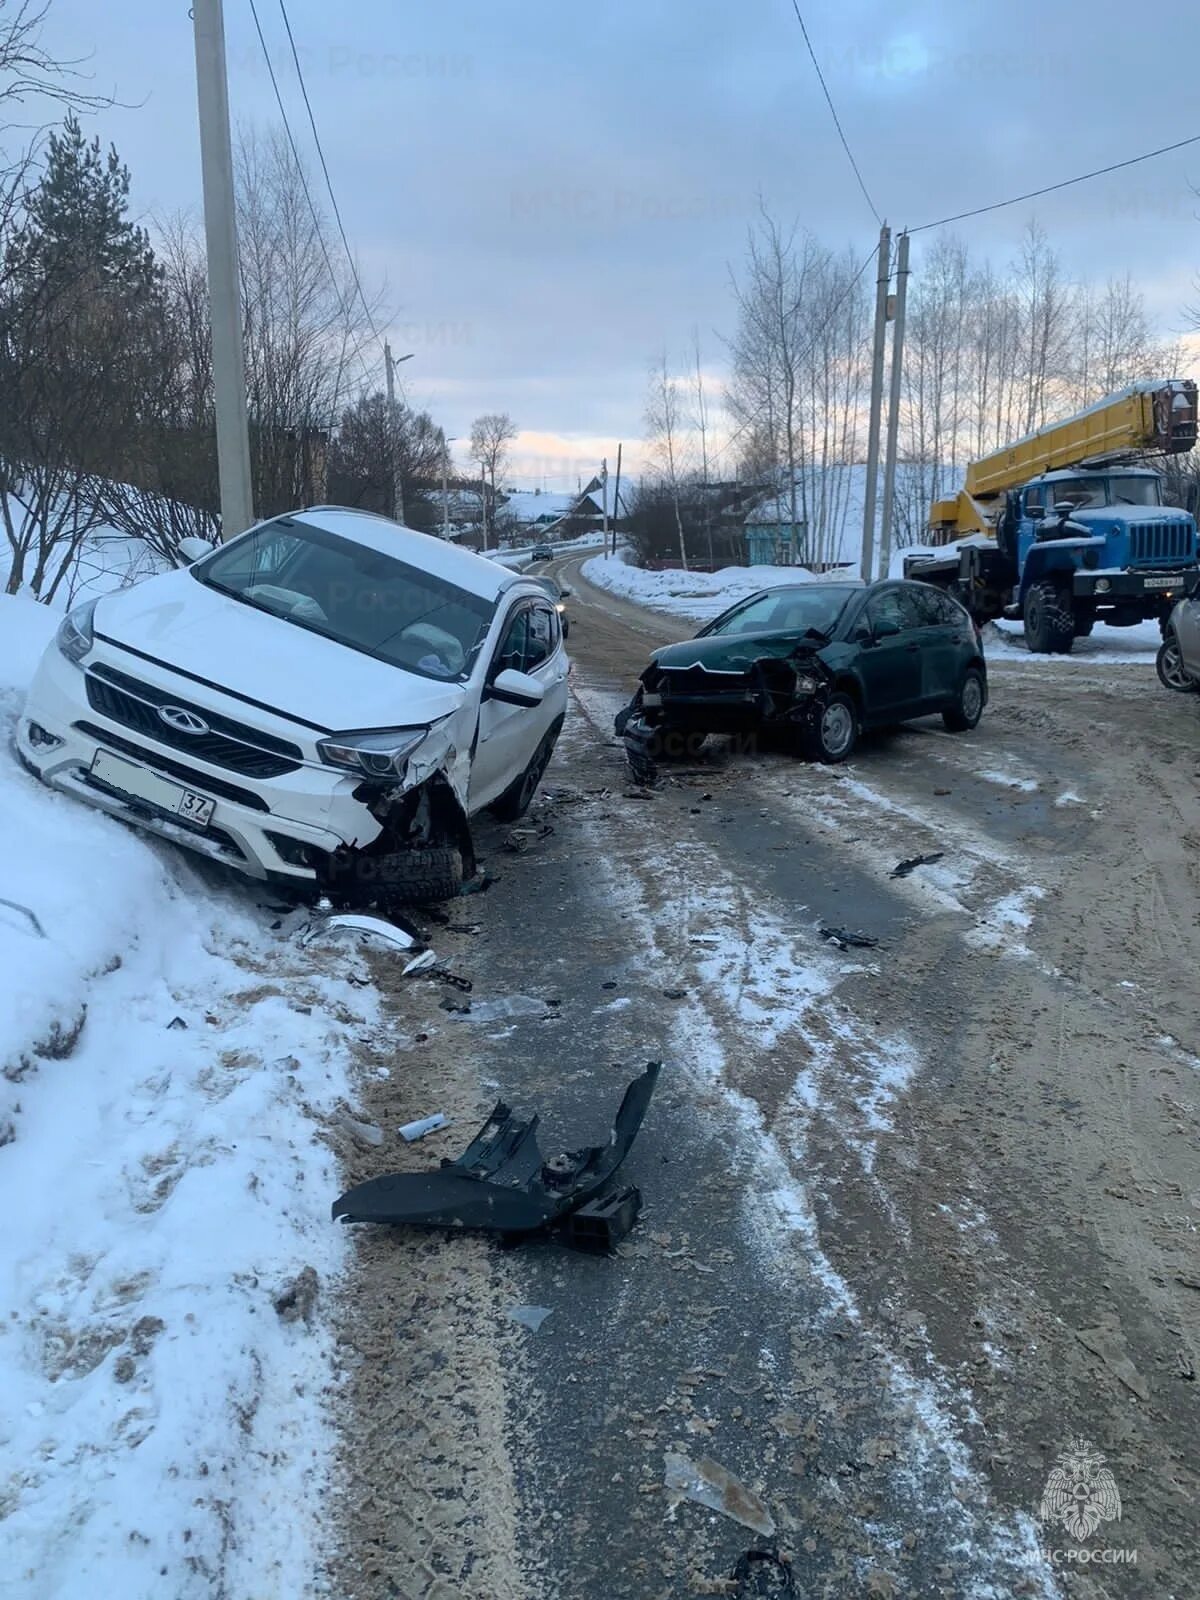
(322, 703)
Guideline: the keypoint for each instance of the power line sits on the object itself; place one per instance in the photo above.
(303, 176)
(1066, 183)
(312, 121)
(832, 112)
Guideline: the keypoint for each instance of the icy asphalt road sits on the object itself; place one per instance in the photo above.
(915, 1216)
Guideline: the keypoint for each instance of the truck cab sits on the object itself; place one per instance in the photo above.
(1100, 543)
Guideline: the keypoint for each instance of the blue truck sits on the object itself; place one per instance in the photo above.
(1060, 531)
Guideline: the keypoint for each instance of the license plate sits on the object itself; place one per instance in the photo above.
(139, 783)
(1163, 583)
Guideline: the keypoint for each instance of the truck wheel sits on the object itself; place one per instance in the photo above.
(1168, 663)
(1049, 623)
(966, 711)
(418, 877)
(834, 732)
(512, 805)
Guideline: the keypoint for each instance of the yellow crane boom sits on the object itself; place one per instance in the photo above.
(1157, 416)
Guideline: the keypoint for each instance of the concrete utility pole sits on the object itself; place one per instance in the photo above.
(225, 304)
(881, 296)
(893, 426)
(390, 364)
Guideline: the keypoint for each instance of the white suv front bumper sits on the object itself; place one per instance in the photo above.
(276, 829)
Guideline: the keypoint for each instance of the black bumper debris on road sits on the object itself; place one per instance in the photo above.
(502, 1184)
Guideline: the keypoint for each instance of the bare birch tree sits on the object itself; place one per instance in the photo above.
(666, 444)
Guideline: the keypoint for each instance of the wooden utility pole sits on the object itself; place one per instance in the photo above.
(877, 353)
(604, 500)
(616, 505)
(893, 427)
(224, 298)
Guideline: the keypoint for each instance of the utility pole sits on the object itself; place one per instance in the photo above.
(220, 237)
(881, 297)
(390, 364)
(893, 427)
(616, 505)
(446, 443)
(604, 499)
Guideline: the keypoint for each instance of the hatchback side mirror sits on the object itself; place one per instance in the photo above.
(517, 689)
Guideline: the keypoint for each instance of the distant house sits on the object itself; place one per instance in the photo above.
(825, 534)
(532, 512)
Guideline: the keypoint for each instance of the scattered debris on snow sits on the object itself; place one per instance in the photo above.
(708, 1483)
(911, 863)
(411, 1131)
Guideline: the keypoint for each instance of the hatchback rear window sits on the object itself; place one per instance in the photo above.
(354, 595)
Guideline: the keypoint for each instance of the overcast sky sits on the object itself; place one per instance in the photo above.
(553, 191)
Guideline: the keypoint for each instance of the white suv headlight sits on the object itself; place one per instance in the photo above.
(74, 637)
(377, 752)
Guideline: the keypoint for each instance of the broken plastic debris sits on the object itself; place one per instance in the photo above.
(355, 922)
(33, 925)
(420, 963)
(443, 975)
(508, 1006)
(709, 1484)
(603, 1223)
(844, 939)
(903, 868)
(530, 1317)
(176, 1024)
(500, 1181)
(364, 1132)
(423, 1125)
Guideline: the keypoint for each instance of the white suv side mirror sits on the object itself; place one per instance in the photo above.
(516, 689)
(194, 549)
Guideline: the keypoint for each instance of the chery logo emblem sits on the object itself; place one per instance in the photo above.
(183, 721)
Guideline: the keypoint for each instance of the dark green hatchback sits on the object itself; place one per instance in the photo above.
(825, 660)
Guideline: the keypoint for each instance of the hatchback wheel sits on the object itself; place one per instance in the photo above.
(967, 709)
(834, 733)
(1169, 665)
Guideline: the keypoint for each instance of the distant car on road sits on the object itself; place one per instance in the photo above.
(1178, 660)
(824, 660)
(323, 703)
(560, 594)
(543, 552)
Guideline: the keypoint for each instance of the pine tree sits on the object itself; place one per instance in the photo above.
(76, 229)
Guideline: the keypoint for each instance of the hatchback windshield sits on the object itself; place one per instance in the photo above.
(815, 606)
(354, 595)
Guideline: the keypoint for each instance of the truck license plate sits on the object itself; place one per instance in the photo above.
(139, 783)
(1166, 582)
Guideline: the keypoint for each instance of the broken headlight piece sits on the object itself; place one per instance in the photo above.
(806, 683)
(378, 752)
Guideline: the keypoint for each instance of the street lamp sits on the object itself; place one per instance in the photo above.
(390, 363)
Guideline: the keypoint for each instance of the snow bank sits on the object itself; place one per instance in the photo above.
(697, 595)
(163, 1430)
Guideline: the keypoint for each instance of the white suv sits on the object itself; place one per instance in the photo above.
(322, 702)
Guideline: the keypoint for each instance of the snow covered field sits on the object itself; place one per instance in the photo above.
(163, 1053)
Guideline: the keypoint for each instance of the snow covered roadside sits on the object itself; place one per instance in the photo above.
(164, 1430)
(697, 595)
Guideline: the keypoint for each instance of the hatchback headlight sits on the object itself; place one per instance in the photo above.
(806, 684)
(1103, 585)
(75, 637)
(376, 752)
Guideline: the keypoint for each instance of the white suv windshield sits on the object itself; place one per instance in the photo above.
(354, 595)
